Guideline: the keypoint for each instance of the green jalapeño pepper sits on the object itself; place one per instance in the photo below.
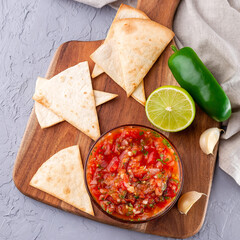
(193, 75)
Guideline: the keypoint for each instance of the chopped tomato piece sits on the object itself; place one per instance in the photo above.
(113, 165)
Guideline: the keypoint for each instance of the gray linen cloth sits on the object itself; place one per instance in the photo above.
(212, 29)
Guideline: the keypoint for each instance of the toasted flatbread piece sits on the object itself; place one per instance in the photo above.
(107, 57)
(140, 42)
(62, 176)
(103, 97)
(70, 95)
(97, 70)
(45, 116)
(124, 11)
(48, 118)
(139, 94)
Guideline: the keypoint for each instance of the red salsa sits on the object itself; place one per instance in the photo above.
(133, 173)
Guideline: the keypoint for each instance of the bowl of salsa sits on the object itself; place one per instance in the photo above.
(133, 173)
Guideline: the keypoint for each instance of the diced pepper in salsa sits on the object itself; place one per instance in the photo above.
(133, 173)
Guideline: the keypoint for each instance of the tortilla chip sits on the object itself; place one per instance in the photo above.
(97, 70)
(139, 94)
(107, 57)
(103, 97)
(47, 118)
(70, 95)
(140, 42)
(62, 176)
(124, 11)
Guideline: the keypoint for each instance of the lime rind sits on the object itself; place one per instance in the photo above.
(181, 105)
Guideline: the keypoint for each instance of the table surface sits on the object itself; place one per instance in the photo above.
(30, 32)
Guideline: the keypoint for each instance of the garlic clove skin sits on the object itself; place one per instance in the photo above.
(187, 200)
(208, 139)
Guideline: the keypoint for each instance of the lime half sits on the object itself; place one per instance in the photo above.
(170, 108)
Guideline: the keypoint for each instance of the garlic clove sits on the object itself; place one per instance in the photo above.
(187, 200)
(208, 139)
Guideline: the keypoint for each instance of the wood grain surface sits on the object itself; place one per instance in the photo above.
(40, 144)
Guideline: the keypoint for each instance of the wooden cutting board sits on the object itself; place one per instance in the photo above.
(38, 145)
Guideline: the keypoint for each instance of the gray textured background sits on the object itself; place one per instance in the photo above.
(30, 32)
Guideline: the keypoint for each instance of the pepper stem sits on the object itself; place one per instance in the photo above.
(174, 48)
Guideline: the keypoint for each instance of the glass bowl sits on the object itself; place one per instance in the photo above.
(160, 213)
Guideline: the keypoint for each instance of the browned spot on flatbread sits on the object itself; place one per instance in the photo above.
(63, 167)
(70, 151)
(85, 93)
(66, 190)
(49, 179)
(129, 29)
(41, 100)
(62, 78)
(132, 70)
(138, 51)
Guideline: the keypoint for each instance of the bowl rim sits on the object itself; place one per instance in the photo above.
(160, 214)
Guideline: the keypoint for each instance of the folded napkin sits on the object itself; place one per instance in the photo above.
(114, 4)
(212, 29)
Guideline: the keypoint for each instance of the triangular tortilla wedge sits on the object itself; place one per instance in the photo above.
(140, 42)
(97, 70)
(124, 11)
(103, 97)
(70, 95)
(108, 58)
(48, 118)
(62, 176)
(45, 116)
(139, 94)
